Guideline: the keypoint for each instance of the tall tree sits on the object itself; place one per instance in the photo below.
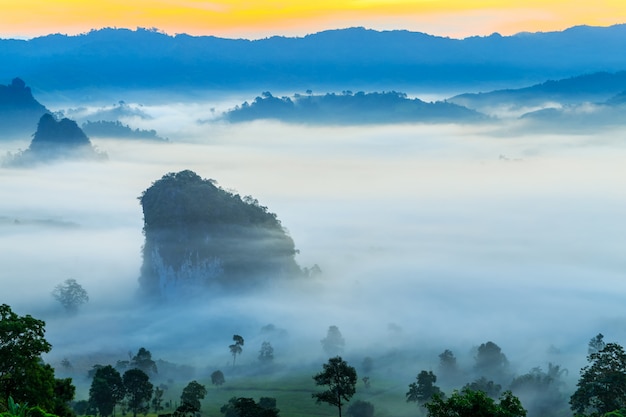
(424, 389)
(70, 294)
(266, 354)
(340, 378)
(138, 391)
(334, 342)
(237, 347)
(491, 362)
(192, 394)
(107, 390)
(143, 360)
(157, 399)
(602, 384)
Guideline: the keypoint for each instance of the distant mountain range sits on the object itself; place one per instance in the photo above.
(355, 58)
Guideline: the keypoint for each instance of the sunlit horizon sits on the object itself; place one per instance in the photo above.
(261, 19)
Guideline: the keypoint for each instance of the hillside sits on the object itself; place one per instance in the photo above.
(201, 238)
(348, 108)
(354, 58)
(55, 140)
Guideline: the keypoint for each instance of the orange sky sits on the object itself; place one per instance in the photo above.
(261, 18)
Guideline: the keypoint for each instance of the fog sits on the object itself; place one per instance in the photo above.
(429, 238)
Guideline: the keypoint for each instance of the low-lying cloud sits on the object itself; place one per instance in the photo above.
(429, 238)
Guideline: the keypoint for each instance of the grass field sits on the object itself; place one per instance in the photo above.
(293, 395)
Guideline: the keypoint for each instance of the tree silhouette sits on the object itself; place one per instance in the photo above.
(236, 348)
(602, 384)
(340, 378)
(138, 390)
(334, 342)
(70, 294)
(424, 389)
(217, 378)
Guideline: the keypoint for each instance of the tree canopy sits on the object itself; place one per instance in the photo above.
(340, 378)
(107, 390)
(138, 391)
(470, 403)
(23, 376)
(424, 389)
(602, 384)
(70, 294)
(192, 394)
(334, 342)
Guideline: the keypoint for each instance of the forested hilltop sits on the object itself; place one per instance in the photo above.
(349, 108)
(200, 237)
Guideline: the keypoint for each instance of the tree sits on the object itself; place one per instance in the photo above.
(246, 407)
(157, 399)
(424, 389)
(602, 384)
(469, 403)
(23, 376)
(487, 386)
(192, 394)
(70, 294)
(143, 361)
(541, 391)
(138, 390)
(236, 348)
(217, 378)
(361, 409)
(334, 342)
(490, 361)
(596, 344)
(341, 381)
(266, 354)
(107, 389)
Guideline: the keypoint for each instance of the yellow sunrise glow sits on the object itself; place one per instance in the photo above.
(255, 19)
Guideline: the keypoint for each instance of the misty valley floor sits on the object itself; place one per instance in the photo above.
(432, 237)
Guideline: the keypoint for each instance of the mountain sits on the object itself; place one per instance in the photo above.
(596, 87)
(55, 140)
(200, 238)
(355, 58)
(348, 108)
(19, 111)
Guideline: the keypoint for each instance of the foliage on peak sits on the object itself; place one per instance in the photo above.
(184, 198)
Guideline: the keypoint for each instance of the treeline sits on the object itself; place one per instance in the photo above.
(29, 387)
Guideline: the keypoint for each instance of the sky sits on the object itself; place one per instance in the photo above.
(255, 19)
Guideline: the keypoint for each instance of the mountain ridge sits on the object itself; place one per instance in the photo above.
(355, 58)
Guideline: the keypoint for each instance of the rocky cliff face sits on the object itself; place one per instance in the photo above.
(199, 238)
